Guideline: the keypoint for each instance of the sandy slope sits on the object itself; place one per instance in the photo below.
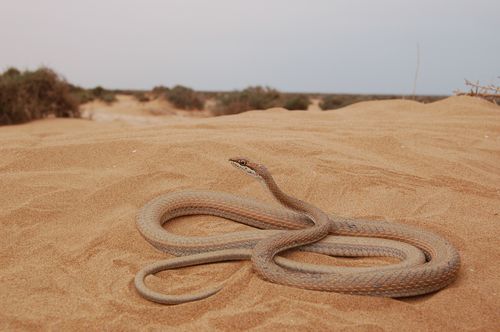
(70, 190)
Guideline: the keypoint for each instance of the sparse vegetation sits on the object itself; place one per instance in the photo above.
(35, 94)
(160, 90)
(30, 95)
(489, 92)
(80, 94)
(87, 95)
(185, 98)
(329, 102)
(104, 95)
(11, 73)
(334, 101)
(251, 98)
(141, 97)
(294, 102)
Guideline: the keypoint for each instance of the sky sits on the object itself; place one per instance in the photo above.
(295, 46)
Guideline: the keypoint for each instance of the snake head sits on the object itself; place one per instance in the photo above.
(249, 167)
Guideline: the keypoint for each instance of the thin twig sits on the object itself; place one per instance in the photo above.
(488, 92)
(416, 72)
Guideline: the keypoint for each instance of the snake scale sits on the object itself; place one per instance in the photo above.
(427, 262)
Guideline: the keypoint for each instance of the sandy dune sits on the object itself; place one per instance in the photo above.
(70, 190)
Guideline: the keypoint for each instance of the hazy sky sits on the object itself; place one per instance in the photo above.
(324, 46)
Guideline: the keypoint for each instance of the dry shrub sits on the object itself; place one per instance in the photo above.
(98, 93)
(30, 95)
(80, 94)
(103, 95)
(330, 102)
(251, 98)
(185, 98)
(159, 91)
(296, 102)
(141, 97)
(488, 92)
(334, 101)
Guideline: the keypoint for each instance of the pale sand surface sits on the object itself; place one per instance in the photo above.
(128, 109)
(70, 190)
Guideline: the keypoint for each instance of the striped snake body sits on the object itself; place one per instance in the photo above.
(427, 262)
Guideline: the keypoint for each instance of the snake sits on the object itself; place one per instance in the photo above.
(426, 261)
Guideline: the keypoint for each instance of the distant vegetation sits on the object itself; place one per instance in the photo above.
(334, 101)
(160, 90)
(141, 97)
(98, 93)
(258, 98)
(294, 102)
(185, 98)
(180, 96)
(102, 94)
(30, 95)
(251, 98)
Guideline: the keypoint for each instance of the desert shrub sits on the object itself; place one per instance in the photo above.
(98, 91)
(334, 101)
(108, 98)
(33, 95)
(330, 102)
(141, 97)
(12, 72)
(185, 98)
(251, 98)
(103, 95)
(83, 95)
(160, 90)
(296, 102)
(80, 94)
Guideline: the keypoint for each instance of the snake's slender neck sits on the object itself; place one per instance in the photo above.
(266, 249)
(287, 200)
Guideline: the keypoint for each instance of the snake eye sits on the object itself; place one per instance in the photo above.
(243, 162)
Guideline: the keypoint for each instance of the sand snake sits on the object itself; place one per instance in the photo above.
(302, 226)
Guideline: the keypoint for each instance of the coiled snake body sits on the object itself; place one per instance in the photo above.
(427, 261)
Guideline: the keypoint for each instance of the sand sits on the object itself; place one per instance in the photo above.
(129, 110)
(70, 190)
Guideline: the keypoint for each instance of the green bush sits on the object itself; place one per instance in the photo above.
(251, 98)
(185, 98)
(33, 95)
(296, 102)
